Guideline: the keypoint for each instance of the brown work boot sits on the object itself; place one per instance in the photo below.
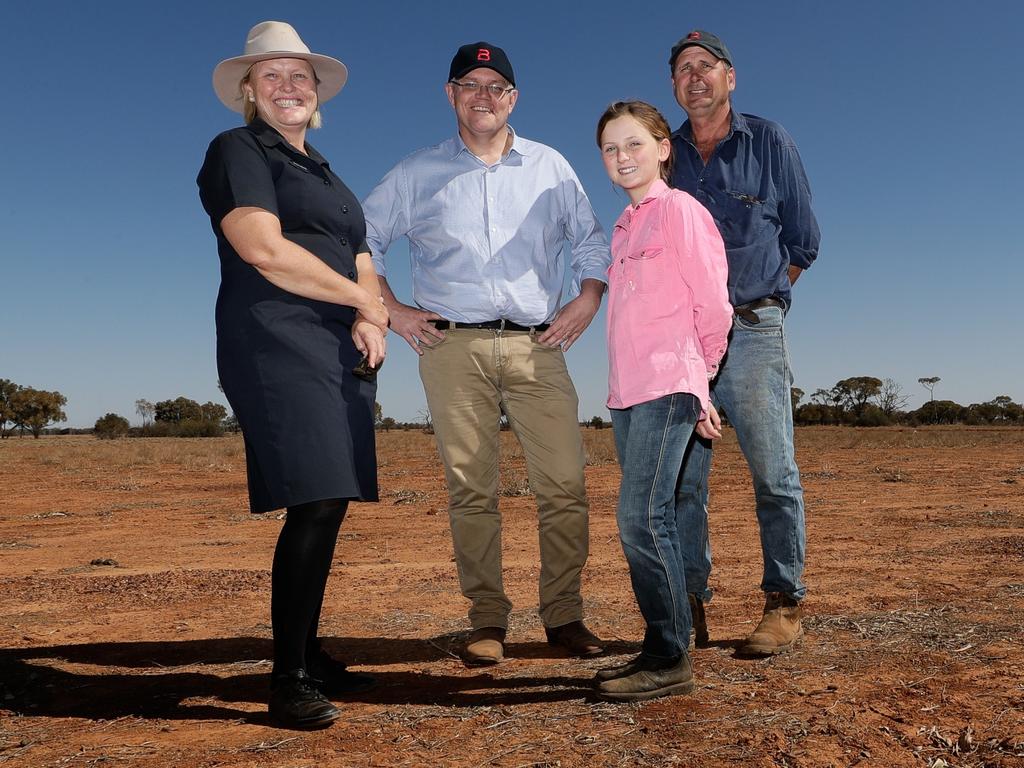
(484, 647)
(699, 637)
(576, 639)
(779, 629)
(649, 680)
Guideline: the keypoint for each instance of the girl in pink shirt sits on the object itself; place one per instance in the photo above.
(668, 324)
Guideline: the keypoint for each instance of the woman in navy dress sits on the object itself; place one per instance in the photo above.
(299, 308)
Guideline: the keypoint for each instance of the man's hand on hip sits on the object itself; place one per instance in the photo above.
(572, 319)
(413, 325)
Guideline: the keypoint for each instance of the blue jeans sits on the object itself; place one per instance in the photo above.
(650, 439)
(753, 388)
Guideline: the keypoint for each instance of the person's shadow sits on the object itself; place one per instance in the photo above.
(159, 680)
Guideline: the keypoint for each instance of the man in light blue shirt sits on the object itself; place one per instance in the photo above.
(489, 216)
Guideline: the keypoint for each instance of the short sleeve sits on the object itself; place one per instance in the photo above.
(236, 174)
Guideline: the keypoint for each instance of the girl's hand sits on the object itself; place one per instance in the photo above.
(710, 427)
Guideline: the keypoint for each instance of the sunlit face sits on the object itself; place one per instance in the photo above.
(632, 156)
(285, 92)
(702, 82)
(478, 112)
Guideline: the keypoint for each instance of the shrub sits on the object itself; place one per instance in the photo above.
(111, 426)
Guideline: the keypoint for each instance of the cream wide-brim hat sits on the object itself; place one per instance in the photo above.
(275, 40)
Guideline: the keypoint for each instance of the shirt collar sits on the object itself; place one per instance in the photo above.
(657, 189)
(269, 137)
(518, 145)
(737, 122)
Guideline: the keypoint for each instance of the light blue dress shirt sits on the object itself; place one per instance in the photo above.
(487, 242)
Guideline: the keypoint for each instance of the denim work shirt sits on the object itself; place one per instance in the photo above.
(755, 187)
(487, 242)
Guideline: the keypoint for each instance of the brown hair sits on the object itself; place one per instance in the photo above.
(249, 107)
(650, 118)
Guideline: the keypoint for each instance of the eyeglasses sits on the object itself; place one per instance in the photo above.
(495, 90)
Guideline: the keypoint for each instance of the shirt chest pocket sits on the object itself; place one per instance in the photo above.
(746, 219)
(644, 269)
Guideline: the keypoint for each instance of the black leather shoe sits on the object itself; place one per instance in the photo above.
(650, 680)
(699, 634)
(619, 670)
(295, 702)
(333, 678)
(576, 639)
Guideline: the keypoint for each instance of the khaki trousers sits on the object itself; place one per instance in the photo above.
(470, 377)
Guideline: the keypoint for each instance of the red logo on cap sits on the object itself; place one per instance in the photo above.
(693, 36)
(483, 54)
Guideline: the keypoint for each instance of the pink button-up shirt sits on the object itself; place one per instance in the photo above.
(668, 308)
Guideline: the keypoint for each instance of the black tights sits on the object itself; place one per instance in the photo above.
(302, 563)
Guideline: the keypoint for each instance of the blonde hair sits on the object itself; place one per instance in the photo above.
(249, 107)
(650, 118)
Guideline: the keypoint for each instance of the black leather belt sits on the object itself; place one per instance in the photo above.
(490, 325)
(746, 311)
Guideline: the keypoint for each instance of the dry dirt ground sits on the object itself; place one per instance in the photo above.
(134, 592)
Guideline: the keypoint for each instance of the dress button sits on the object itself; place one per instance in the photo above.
(351, 274)
(327, 182)
(344, 241)
(344, 209)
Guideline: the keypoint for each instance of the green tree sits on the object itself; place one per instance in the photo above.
(7, 390)
(597, 422)
(35, 409)
(939, 412)
(929, 383)
(178, 410)
(213, 412)
(796, 395)
(378, 415)
(111, 426)
(855, 393)
(388, 423)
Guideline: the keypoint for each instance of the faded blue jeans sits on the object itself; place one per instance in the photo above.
(650, 439)
(753, 388)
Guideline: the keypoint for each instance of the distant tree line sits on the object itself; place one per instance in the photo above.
(865, 401)
(180, 417)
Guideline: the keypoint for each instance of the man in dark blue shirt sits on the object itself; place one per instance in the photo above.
(748, 173)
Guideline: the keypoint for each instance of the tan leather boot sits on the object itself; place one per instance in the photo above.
(779, 629)
(484, 647)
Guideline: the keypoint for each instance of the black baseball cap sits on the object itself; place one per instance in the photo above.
(476, 55)
(705, 40)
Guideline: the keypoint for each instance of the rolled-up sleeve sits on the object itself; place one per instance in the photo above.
(800, 236)
(591, 255)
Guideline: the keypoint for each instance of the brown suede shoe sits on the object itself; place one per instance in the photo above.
(576, 639)
(699, 634)
(484, 647)
(779, 629)
(650, 681)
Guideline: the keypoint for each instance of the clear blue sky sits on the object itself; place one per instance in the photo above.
(907, 115)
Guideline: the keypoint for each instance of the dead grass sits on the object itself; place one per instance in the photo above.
(75, 454)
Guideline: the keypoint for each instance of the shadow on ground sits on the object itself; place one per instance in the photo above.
(167, 680)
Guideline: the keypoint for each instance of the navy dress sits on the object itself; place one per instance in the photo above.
(284, 361)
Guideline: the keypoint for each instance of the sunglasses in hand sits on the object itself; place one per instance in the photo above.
(365, 371)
